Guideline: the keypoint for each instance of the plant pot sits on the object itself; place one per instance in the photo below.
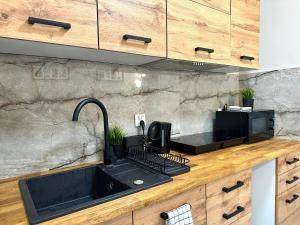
(248, 103)
(118, 151)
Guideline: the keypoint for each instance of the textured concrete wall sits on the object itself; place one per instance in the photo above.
(278, 90)
(38, 96)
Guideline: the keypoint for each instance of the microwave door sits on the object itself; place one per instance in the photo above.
(259, 127)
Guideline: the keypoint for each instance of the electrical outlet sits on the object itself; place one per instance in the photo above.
(138, 118)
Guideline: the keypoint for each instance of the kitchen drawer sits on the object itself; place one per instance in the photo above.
(293, 219)
(80, 14)
(124, 220)
(288, 162)
(216, 188)
(245, 220)
(284, 208)
(197, 33)
(245, 30)
(227, 196)
(216, 4)
(144, 19)
(150, 215)
(288, 180)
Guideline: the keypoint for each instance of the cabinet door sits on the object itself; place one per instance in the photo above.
(230, 195)
(223, 5)
(288, 162)
(287, 203)
(245, 29)
(133, 26)
(66, 22)
(197, 32)
(122, 220)
(151, 215)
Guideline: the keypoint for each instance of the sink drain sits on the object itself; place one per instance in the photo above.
(138, 182)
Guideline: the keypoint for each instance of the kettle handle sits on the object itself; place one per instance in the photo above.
(153, 125)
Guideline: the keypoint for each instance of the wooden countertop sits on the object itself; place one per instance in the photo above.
(205, 168)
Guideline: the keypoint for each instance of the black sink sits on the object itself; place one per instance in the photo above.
(55, 195)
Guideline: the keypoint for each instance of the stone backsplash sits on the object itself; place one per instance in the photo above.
(278, 90)
(38, 96)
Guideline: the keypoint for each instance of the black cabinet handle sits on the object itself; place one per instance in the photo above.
(239, 209)
(295, 178)
(238, 185)
(137, 38)
(208, 50)
(292, 161)
(244, 57)
(290, 201)
(33, 20)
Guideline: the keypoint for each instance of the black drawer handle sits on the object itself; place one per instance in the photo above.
(239, 209)
(290, 201)
(33, 20)
(208, 50)
(292, 161)
(137, 38)
(238, 185)
(244, 57)
(295, 178)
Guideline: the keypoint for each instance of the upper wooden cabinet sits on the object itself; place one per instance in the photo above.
(197, 33)
(133, 26)
(66, 22)
(245, 29)
(223, 5)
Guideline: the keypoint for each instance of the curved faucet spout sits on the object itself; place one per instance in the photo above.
(105, 121)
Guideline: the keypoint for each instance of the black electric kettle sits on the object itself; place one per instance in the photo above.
(159, 134)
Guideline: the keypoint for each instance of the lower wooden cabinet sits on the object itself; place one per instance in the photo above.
(288, 180)
(229, 200)
(288, 162)
(151, 215)
(287, 204)
(122, 220)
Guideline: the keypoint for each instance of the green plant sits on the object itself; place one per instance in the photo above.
(247, 93)
(116, 135)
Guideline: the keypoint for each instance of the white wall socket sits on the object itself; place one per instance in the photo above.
(138, 118)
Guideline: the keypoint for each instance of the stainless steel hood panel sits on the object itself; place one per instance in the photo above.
(180, 65)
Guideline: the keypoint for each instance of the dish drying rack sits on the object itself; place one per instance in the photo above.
(165, 163)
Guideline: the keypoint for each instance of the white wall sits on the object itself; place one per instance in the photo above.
(263, 194)
(280, 34)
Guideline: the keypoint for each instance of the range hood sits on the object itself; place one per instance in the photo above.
(191, 66)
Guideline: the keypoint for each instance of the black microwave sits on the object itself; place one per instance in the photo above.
(253, 126)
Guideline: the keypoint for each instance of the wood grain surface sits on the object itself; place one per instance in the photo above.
(145, 18)
(192, 25)
(284, 209)
(205, 169)
(151, 215)
(245, 30)
(283, 166)
(282, 179)
(219, 202)
(81, 14)
(223, 5)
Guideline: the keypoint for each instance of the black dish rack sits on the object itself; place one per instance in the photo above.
(166, 163)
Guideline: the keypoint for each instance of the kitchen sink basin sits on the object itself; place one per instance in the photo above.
(54, 195)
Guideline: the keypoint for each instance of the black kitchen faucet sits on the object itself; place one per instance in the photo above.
(76, 113)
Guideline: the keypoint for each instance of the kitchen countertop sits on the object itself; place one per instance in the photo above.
(205, 168)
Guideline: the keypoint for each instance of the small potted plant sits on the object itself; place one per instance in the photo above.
(248, 97)
(115, 137)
